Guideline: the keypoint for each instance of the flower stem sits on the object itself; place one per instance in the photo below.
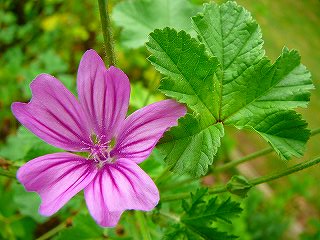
(53, 231)
(143, 225)
(107, 33)
(256, 181)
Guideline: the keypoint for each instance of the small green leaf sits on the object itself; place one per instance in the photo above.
(140, 17)
(197, 221)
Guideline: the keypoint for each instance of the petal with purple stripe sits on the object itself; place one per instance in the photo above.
(104, 94)
(118, 187)
(56, 178)
(142, 130)
(53, 114)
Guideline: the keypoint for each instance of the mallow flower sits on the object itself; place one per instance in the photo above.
(95, 123)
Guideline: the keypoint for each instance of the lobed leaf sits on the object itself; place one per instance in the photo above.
(199, 216)
(225, 78)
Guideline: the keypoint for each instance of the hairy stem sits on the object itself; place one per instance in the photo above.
(256, 181)
(107, 33)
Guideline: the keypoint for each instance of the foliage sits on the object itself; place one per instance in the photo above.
(199, 216)
(28, 144)
(83, 227)
(225, 78)
(214, 63)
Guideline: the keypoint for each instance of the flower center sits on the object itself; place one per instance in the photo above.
(100, 150)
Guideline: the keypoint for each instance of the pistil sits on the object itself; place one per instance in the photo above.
(99, 152)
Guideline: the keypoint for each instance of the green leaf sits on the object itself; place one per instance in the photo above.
(190, 147)
(188, 68)
(286, 131)
(28, 203)
(254, 93)
(200, 215)
(212, 211)
(140, 17)
(226, 79)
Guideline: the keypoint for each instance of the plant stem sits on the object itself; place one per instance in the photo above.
(162, 175)
(143, 225)
(253, 156)
(133, 230)
(107, 33)
(242, 160)
(295, 168)
(53, 231)
(177, 184)
(170, 216)
(8, 168)
(152, 89)
(315, 132)
(7, 173)
(256, 181)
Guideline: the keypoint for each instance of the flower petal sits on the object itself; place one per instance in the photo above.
(56, 178)
(53, 114)
(117, 187)
(142, 130)
(104, 94)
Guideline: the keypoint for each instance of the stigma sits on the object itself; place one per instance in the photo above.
(99, 150)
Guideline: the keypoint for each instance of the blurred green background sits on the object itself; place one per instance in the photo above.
(50, 36)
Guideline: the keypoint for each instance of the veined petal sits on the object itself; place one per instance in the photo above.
(53, 114)
(56, 178)
(142, 130)
(104, 94)
(117, 187)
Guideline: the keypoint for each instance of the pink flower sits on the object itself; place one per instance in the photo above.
(97, 124)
